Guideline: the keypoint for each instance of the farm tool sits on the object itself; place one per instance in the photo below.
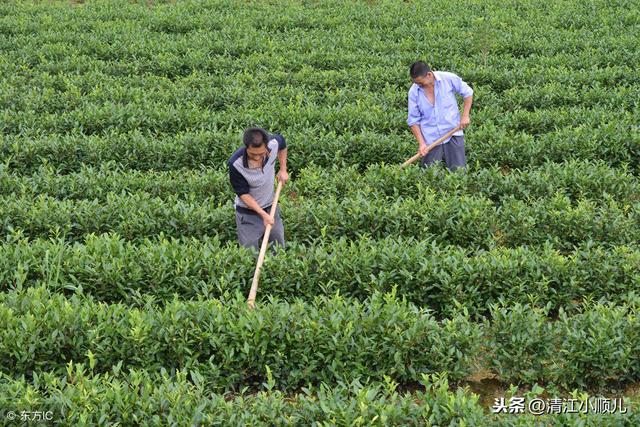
(263, 250)
(432, 146)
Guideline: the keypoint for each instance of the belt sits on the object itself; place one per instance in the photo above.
(249, 211)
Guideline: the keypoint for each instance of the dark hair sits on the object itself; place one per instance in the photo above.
(255, 137)
(418, 69)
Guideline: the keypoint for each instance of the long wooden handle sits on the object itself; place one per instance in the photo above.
(263, 250)
(438, 142)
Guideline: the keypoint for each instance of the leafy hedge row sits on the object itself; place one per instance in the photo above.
(97, 183)
(111, 269)
(487, 144)
(329, 340)
(576, 179)
(139, 397)
(154, 40)
(169, 88)
(195, 74)
(467, 221)
(68, 92)
(379, 112)
(599, 346)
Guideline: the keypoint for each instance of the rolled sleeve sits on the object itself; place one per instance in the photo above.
(414, 115)
(461, 87)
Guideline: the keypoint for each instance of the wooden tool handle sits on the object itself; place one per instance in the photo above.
(438, 142)
(263, 250)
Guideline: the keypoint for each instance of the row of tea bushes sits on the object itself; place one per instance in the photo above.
(487, 144)
(440, 278)
(330, 340)
(467, 221)
(141, 397)
(595, 347)
(576, 179)
(327, 340)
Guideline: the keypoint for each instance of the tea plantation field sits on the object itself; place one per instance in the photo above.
(404, 296)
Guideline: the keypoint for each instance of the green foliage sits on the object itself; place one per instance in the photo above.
(594, 348)
(467, 221)
(138, 396)
(284, 344)
(120, 254)
(110, 269)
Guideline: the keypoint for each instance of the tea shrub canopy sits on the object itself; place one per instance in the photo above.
(122, 284)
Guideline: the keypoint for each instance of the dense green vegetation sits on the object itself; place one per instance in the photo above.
(122, 285)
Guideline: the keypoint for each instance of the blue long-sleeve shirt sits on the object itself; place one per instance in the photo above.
(437, 119)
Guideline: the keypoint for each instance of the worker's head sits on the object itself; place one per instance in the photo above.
(421, 74)
(256, 141)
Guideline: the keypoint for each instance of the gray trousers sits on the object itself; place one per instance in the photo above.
(251, 230)
(452, 152)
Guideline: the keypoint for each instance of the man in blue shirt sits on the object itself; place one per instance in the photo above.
(433, 111)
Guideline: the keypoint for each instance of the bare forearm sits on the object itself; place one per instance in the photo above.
(466, 109)
(251, 202)
(417, 133)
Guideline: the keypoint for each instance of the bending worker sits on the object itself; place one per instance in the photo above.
(433, 111)
(252, 174)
